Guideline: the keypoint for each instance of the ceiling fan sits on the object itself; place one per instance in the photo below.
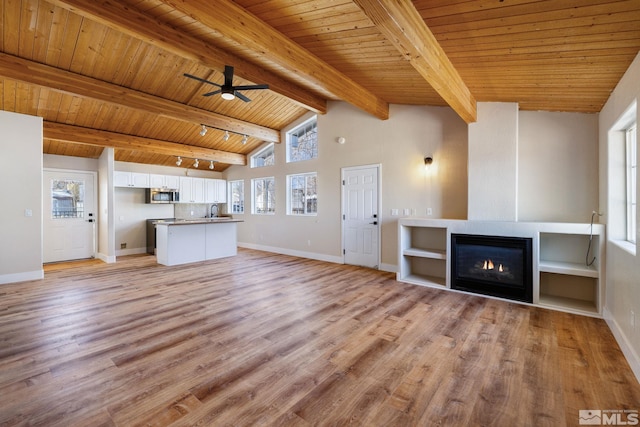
(228, 90)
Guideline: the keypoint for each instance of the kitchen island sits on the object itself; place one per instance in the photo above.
(182, 241)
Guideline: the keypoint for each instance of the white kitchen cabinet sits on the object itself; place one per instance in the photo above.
(216, 191)
(192, 190)
(171, 182)
(130, 179)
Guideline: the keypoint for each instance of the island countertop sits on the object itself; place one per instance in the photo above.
(180, 221)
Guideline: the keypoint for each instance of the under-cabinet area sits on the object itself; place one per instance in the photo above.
(562, 270)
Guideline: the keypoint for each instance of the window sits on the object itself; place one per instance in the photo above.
(631, 151)
(264, 195)
(302, 195)
(263, 157)
(67, 199)
(236, 196)
(302, 142)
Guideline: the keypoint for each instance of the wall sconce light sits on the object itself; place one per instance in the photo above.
(196, 164)
(341, 140)
(428, 161)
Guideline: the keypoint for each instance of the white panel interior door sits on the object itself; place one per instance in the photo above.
(69, 215)
(361, 229)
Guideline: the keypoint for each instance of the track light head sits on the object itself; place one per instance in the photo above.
(226, 135)
(245, 138)
(196, 164)
(179, 161)
(203, 131)
(211, 165)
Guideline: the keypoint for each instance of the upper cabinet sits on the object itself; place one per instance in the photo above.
(130, 179)
(170, 182)
(216, 191)
(192, 190)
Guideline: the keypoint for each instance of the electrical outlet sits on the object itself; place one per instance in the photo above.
(394, 212)
(123, 246)
(429, 211)
(406, 211)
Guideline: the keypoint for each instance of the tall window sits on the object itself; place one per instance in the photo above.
(263, 157)
(236, 196)
(302, 142)
(631, 139)
(264, 195)
(302, 195)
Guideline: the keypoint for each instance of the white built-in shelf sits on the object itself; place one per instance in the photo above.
(426, 253)
(422, 280)
(569, 268)
(569, 304)
(561, 280)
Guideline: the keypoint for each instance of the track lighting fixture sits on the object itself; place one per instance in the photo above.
(203, 132)
(245, 139)
(195, 164)
(179, 161)
(211, 165)
(226, 135)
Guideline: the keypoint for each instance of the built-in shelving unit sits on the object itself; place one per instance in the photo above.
(565, 277)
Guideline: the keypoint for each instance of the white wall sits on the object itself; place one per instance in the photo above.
(623, 268)
(21, 174)
(558, 166)
(398, 144)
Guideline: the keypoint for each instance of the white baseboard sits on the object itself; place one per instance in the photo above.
(291, 252)
(623, 342)
(391, 268)
(106, 258)
(22, 277)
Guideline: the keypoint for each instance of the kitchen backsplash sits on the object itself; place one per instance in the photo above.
(197, 210)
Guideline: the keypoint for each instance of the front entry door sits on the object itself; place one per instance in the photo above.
(69, 215)
(361, 222)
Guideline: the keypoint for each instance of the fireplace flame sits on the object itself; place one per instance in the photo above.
(488, 265)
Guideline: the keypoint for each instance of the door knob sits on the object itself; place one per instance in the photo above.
(374, 223)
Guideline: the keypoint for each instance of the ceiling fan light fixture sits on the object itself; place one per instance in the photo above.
(228, 95)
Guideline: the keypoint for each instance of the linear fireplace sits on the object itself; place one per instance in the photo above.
(492, 265)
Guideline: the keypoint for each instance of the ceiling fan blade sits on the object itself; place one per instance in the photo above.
(251, 87)
(228, 75)
(241, 96)
(201, 80)
(212, 93)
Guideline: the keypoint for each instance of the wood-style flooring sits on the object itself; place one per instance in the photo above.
(266, 339)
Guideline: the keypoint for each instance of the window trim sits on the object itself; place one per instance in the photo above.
(253, 195)
(631, 179)
(261, 150)
(288, 134)
(230, 196)
(289, 195)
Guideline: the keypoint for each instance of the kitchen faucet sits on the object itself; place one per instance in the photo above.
(214, 211)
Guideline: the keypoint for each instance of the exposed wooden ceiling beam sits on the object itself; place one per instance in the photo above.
(121, 17)
(403, 26)
(101, 138)
(226, 18)
(26, 71)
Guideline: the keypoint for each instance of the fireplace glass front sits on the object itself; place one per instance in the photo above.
(492, 265)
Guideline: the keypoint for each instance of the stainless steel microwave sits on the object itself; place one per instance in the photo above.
(161, 195)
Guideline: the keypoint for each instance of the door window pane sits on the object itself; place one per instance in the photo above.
(67, 199)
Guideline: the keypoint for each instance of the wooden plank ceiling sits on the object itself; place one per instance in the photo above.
(110, 73)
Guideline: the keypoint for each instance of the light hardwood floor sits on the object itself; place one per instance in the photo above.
(265, 339)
